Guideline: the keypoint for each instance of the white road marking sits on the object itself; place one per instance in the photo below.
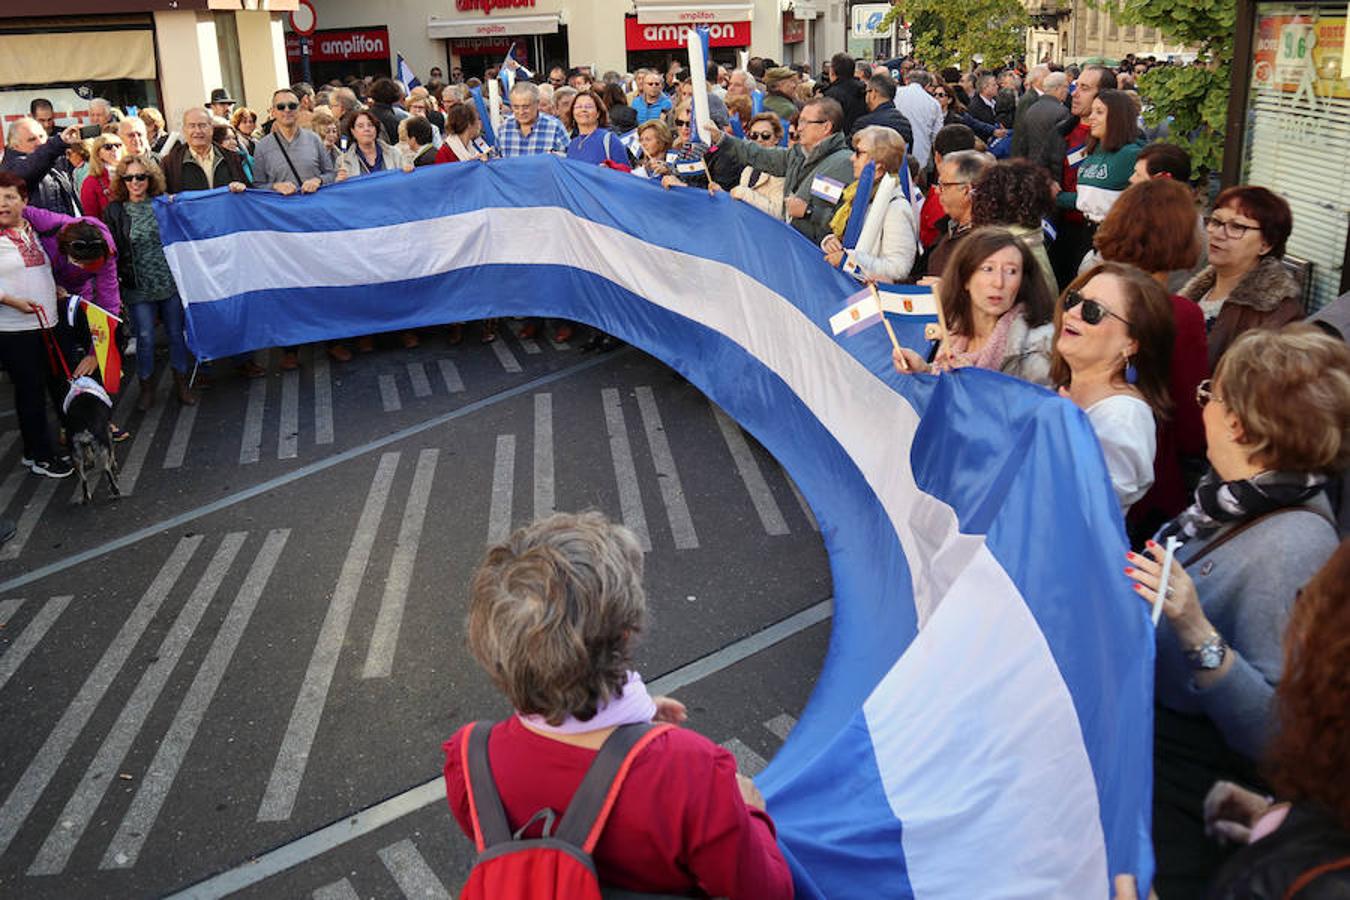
(74, 818)
(781, 726)
(529, 345)
(505, 356)
(625, 471)
(544, 487)
(28, 519)
(389, 394)
(450, 375)
(412, 873)
(49, 758)
(672, 491)
(159, 776)
(250, 446)
(417, 374)
(182, 434)
(384, 637)
(8, 608)
(769, 514)
(503, 489)
(323, 400)
(338, 890)
(31, 636)
(748, 762)
(288, 433)
(284, 785)
(130, 469)
(801, 501)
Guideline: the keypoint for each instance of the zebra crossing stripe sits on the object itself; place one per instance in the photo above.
(544, 488)
(415, 878)
(182, 434)
(339, 890)
(503, 487)
(28, 519)
(288, 434)
(31, 636)
(323, 400)
(667, 476)
(625, 471)
(250, 444)
(505, 356)
(389, 397)
(417, 374)
(450, 375)
(748, 762)
(770, 516)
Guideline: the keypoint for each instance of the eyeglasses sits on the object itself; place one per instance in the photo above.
(1232, 229)
(288, 107)
(1204, 392)
(139, 176)
(940, 94)
(947, 184)
(813, 121)
(1093, 312)
(112, 145)
(859, 151)
(760, 135)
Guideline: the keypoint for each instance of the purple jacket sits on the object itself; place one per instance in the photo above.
(100, 286)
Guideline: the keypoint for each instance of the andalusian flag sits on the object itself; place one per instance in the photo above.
(102, 328)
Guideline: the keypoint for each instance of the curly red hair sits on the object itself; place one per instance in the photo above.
(1306, 760)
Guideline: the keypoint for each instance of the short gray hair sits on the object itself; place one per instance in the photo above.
(17, 124)
(919, 77)
(1036, 74)
(1055, 81)
(526, 89)
(968, 164)
(553, 612)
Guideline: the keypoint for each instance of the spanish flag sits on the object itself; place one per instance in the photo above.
(102, 328)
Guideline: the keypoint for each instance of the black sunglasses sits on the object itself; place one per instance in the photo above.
(288, 106)
(139, 176)
(683, 123)
(760, 135)
(87, 250)
(1093, 312)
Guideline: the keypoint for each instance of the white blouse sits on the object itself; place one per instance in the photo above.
(1128, 435)
(31, 283)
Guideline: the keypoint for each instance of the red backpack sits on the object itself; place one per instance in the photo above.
(558, 864)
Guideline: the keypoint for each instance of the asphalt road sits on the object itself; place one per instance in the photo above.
(237, 678)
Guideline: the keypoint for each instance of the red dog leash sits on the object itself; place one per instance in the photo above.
(54, 353)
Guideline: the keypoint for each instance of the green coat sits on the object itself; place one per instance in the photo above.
(831, 158)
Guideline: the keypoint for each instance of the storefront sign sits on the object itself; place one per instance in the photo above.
(673, 37)
(1297, 55)
(794, 29)
(497, 47)
(487, 6)
(343, 46)
(867, 21)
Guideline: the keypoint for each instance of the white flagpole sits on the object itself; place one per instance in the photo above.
(698, 75)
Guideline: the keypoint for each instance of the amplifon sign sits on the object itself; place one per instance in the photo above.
(343, 46)
(674, 37)
(487, 6)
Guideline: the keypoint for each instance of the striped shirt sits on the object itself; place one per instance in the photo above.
(547, 136)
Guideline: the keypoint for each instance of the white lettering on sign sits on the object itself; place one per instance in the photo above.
(680, 33)
(348, 46)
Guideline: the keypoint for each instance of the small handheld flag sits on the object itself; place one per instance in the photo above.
(103, 331)
(863, 311)
(405, 74)
(509, 67)
(861, 198)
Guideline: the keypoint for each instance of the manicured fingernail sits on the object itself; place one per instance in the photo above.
(1129, 571)
(1151, 544)
(1139, 588)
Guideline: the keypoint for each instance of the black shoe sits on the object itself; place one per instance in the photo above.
(7, 531)
(53, 468)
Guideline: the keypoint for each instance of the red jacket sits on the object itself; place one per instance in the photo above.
(679, 822)
(94, 195)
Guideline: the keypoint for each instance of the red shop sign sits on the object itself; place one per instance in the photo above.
(794, 29)
(675, 37)
(342, 46)
(490, 46)
(487, 6)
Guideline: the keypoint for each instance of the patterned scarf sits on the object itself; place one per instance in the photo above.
(1219, 503)
(27, 242)
(990, 356)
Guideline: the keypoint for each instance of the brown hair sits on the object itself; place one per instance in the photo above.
(970, 252)
(118, 187)
(772, 119)
(459, 117)
(1152, 225)
(241, 112)
(1306, 758)
(553, 612)
(1266, 207)
(349, 121)
(1012, 192)
(96, 167)
(1290, 389)
(15, 184)
(601, 110)
(740, 106)
(1120, 122)
(662, 131)
(1151, 325)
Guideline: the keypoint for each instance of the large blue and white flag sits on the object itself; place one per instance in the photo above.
(405, 74)
(981, 727)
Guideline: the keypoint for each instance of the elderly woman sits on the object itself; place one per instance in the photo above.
(1113, 344)
(594, 142)
(325, 125)
(367, 153)
(654, 138)
(562, 108)
(1015, 194)
(1152, 227)
(554, 614)
(26, 287)
(758, 188)
(890, 236)
(1277, 419)
(1112, 148)
(143, 274)
(463, 129)
(998, 313)
(96, 191)
(1245, 285)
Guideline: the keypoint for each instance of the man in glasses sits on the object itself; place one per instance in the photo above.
(652, 102)
(529, 132)
(880, 97)
(198, 164)
(815, 171)
(956, 173)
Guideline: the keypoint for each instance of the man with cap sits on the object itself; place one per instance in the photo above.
(780, 98)
(220, 103)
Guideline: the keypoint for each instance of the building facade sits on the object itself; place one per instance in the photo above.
(1071, 31)
(165, 53)
(617, 35)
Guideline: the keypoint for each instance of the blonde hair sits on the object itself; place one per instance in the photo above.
(1290, 389)
(886, 146)
(96, 167)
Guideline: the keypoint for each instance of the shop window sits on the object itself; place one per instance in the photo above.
(227, 48)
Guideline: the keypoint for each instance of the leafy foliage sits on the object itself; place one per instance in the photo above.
(955, 32)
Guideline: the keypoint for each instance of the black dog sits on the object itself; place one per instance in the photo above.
(89, 424)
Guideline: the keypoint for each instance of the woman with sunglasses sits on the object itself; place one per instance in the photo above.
(953, 110)
(758, 188)
(1113, 343)
(1113, 148)
(998, 313)
(1277, 423)
(95, 193)
(888, 243)
(1245, 285)
(143, 273)
(685, 158)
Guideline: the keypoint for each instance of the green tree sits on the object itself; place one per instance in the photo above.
(1195, 97)
(955, 32)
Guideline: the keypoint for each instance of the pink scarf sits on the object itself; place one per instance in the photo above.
(991, 355)
(633, 704)
(29, 247)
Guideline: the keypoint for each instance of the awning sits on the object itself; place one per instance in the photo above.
(493, 26)
(76, 56)
(665, 12)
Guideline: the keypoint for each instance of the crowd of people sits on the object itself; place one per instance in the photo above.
(1065, 246)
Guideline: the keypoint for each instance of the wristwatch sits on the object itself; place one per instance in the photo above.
(1208, 655)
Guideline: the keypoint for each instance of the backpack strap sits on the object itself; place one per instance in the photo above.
(591, 804)
(490, 826)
